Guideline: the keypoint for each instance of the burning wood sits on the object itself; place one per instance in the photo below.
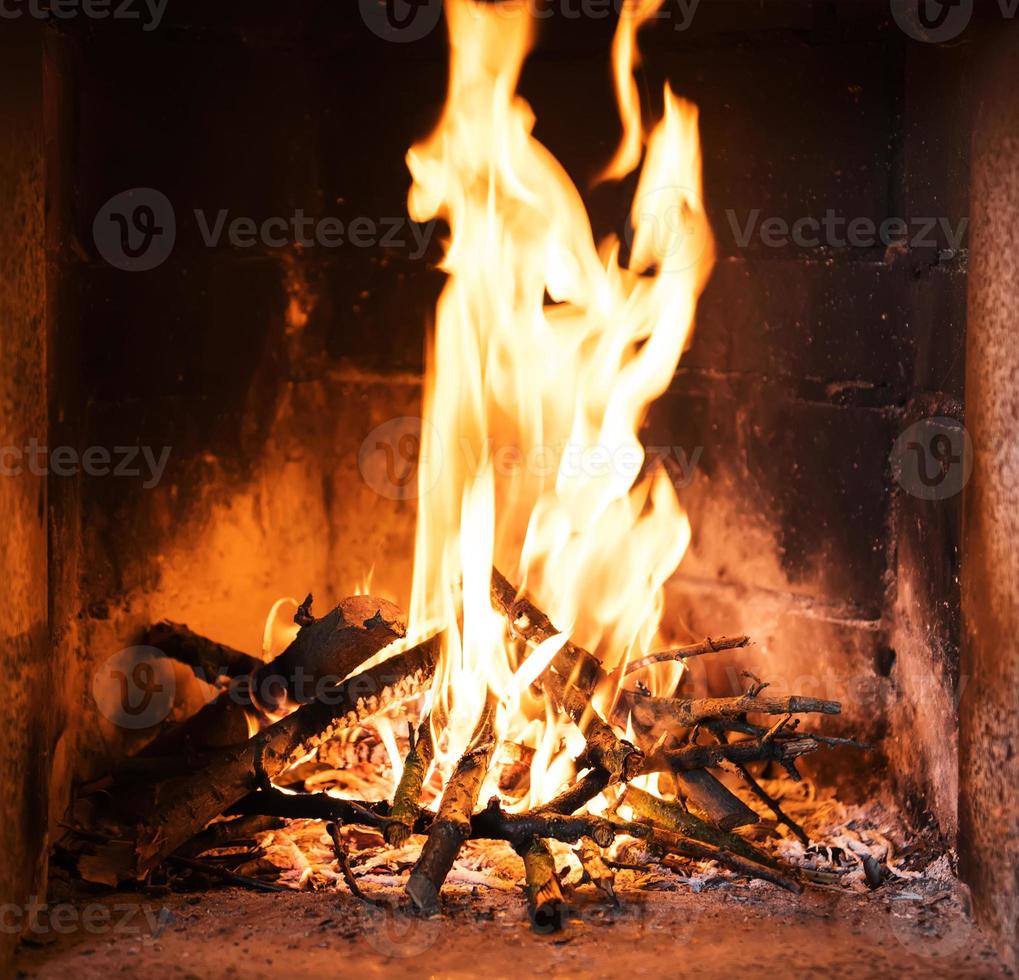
(238, 781)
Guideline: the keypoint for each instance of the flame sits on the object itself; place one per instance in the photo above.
(547, 350)
(278, 635)
(625, 58)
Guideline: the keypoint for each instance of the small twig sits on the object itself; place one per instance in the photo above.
(229, 876)
(405, 800)
(687, 652)
(343, 862)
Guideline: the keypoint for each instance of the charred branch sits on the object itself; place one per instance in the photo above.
(675, 817)
(207, 658)
(323, 653)
(713, 802)
(784, 751)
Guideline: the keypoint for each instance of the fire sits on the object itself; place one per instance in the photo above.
(547, 350)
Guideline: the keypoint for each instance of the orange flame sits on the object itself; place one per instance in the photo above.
(546, 353)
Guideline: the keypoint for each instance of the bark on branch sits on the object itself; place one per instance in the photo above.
(452, 823)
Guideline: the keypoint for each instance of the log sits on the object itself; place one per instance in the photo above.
(452, 824)
(207, 658)
(713, 802)
(324, 652)
(184, 806)
(272, 802)
(224, 832)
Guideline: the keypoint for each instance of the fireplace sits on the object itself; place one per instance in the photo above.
(224, 394)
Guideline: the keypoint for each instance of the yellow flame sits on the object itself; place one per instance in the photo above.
(547, 351)
(282, 633)
(625, 58)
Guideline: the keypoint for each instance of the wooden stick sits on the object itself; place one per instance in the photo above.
(712, 800)
(452, 824)
(230, 877)
(675, 817)
(704, 756)
(545, 899)
(581, 792)
(687, 652)
(604, 749)
(668, 843)
(343, 864)
(571, 681)
(519, 828)
(705, 852)
(664, 714)
(599, 873)
(555, 820)
(408, 792)
(310, 806)
(529, 622)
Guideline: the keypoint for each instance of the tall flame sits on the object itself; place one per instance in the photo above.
(547, 351)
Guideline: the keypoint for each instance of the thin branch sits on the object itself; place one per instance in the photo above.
(687, 652)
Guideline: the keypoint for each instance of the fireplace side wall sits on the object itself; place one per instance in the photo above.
(989, 802)
(24, 638)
